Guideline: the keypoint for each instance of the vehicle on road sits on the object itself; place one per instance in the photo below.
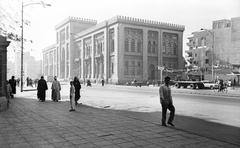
(210, 85)
(191, 84)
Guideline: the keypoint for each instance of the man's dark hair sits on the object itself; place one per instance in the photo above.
(167, 78)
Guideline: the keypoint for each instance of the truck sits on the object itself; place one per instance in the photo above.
(191, 84)
(190, 80)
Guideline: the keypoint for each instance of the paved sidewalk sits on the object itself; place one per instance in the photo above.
(29, 123)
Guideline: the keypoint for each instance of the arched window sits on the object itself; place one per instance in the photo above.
(133, 45)
(126, 45)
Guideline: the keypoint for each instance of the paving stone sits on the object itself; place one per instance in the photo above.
(126, 145)
(102, 143)
(117, 141)
(87, 145)
(20, 145)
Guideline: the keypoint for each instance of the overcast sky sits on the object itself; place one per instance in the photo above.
(194, 14)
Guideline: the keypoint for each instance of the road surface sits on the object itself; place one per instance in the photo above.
(219, 109)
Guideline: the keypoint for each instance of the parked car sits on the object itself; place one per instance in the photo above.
(210, 85)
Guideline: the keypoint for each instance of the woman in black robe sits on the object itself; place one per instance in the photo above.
(13, 84)
(77, 86)
(41, 88)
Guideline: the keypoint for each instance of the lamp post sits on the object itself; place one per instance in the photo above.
(212, 34)
(25, 5)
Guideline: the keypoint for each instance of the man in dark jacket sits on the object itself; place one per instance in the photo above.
(41, 88)
(77, 86)
(13, 84)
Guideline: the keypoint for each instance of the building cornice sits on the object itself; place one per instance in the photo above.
(75, 19)
(145, 22)
(132, 21)
(48, 48)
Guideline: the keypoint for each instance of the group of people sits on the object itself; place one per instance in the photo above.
(74, 94)
(75, 87)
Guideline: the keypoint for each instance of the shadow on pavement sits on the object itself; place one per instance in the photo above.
(216, 131)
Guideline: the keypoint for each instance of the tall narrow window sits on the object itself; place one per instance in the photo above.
(149, 46)
(112, 67)
(175, 48)
(112, 45)
(154, 47)
(164, 46)
(67, 32)
(126, 45)
(139, 46)
(133, 45)
(111, 35)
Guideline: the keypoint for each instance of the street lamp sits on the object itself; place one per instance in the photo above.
(25, 5)
(212, 34)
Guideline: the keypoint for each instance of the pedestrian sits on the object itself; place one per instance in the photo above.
(13, 84)
(72, 97)
(166, 102)
(36, 82)
(103, 82)
(27, 81)
(56, 88)
(89, 83)
(234, 83)
(18, 81)
(8, 93)
(77, 87)
(41, 89)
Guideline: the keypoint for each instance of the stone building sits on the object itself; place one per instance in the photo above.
(218, 46)
(3, 71)
(117, 50)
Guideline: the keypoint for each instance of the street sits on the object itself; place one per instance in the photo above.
(220, 109)
(211, 108)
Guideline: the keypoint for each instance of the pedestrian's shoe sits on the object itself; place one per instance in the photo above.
(170, 123)
(164, 124)
(72, 110)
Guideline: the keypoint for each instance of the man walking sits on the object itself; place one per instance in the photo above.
(166, 102)
(41, 89)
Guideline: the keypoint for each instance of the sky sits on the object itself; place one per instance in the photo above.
(193, 14)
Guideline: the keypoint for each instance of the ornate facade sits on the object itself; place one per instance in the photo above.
(118, 50)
